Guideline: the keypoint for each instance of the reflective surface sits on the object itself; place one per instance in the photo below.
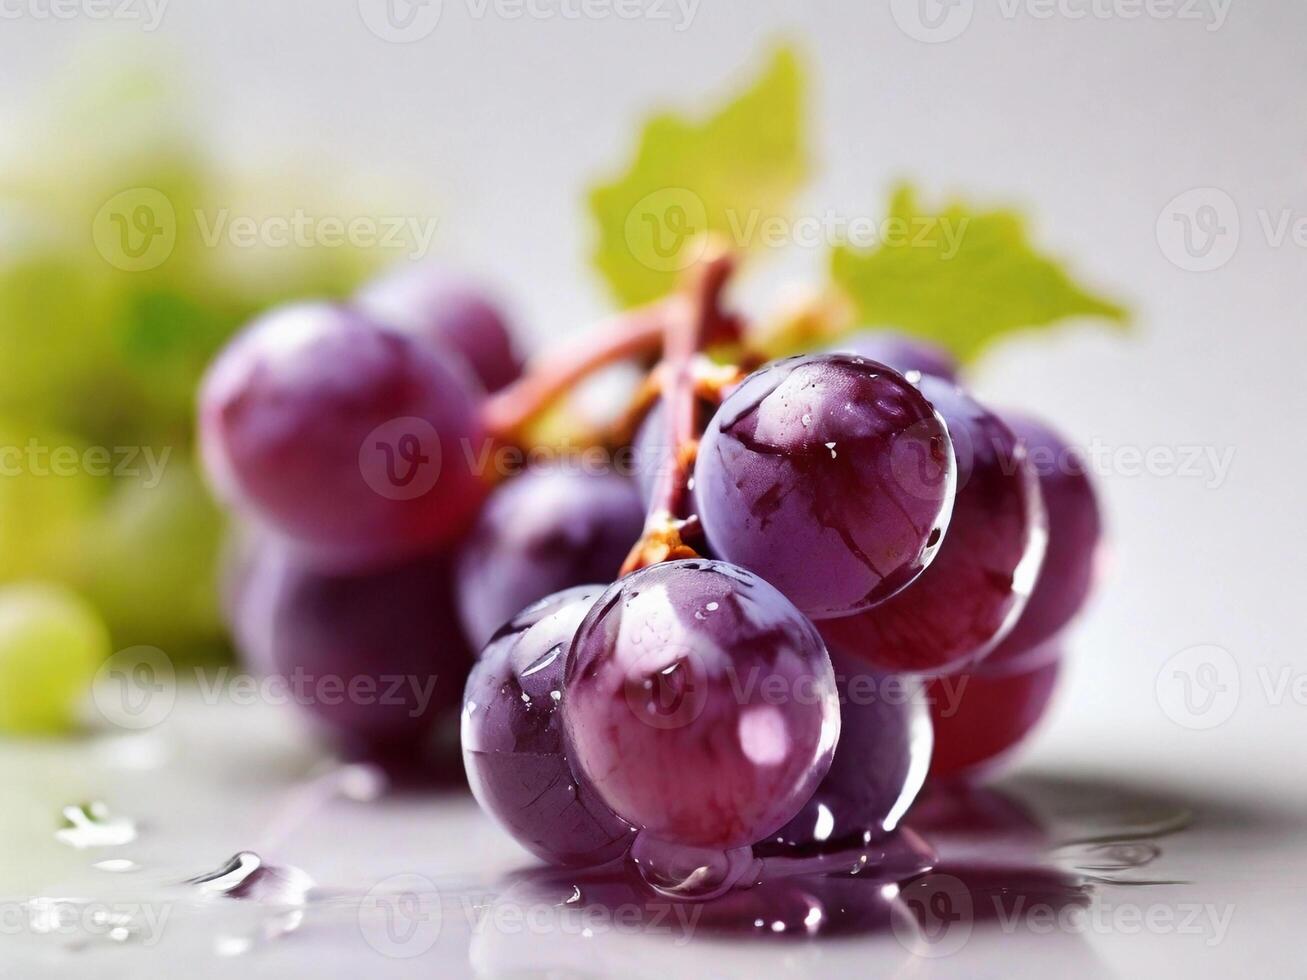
(260, 857)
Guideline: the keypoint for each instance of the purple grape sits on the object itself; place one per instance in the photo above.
(700, 704)
(878, 768)
(901, 353)
(353, 440)
(831, 477)
(252, 570)
(450, 313)
(546, 530)
(1075, 533)
(513, 739)
(376, 659)
(971, 594)
(980, 718)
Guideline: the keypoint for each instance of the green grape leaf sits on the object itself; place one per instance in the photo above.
(734, 170)
(959, 277)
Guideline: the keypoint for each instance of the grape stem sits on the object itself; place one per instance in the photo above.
(507, 414)
(687, 332)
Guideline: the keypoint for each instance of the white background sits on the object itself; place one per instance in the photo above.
(1092, 124)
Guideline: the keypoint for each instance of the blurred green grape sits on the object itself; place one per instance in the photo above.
(51, 644)
(151, 561)
(43, 516)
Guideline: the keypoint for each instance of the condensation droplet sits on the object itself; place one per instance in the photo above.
(93, 825)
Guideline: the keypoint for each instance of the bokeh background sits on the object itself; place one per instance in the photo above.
(1114, 129)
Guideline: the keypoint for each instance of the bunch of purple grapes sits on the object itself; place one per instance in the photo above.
(744, 649)
(340, 436)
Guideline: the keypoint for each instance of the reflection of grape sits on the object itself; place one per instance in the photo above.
(377, 659)
(438, 306)
(544, 531)
(288, 415)
(666, 713)
(513, 738)
(831, 477)
(972, 592)
(51, 644)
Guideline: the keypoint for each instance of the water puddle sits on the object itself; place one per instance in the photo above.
(964, 860)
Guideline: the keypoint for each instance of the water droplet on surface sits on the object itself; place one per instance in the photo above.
(693, 873)
(81, 922)
(362, 783)
(116, 866)
(136, 753)
(245, 876)
(232, 945)
(1107, 862)
(93, 825)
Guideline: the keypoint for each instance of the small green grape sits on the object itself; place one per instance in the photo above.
(51, 644)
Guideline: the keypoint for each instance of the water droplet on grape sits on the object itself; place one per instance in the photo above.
(545, 660)
(693, 873)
